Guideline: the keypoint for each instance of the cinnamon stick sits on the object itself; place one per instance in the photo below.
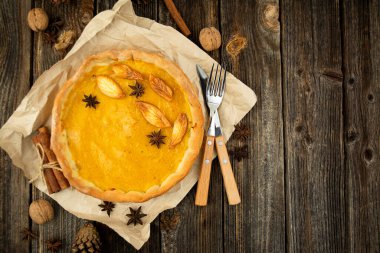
(44, 140)
(51, 182)
(177, 17)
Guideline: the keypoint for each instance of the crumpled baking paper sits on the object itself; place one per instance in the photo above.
(118, 28)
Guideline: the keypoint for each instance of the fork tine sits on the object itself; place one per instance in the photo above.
(223, 83)
(218, 86)
(213, 85)
(209, 80)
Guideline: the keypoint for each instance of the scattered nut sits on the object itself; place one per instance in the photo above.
(38, 20)
(41, 211)
(210, 38)
(65, 39)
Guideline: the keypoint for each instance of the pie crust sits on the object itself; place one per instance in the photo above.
(60, 143)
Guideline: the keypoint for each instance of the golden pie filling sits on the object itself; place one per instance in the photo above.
(109, 141)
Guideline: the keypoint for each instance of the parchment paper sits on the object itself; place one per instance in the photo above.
(118, 28)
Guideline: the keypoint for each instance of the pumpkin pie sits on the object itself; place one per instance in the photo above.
(127, 126)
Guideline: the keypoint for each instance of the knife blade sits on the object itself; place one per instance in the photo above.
(203, 80)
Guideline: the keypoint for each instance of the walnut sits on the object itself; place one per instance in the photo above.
(38, 20)
(41, 211)
(210, 38)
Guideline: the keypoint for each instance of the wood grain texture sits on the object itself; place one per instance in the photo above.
(361, 50)
(204, 222)
(311, 180)
(313, 116)
(112, 242)
(258, 223)
(64, 225)
(15, 47)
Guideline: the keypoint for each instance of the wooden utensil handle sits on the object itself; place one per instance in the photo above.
(228, 175)
(204, 177)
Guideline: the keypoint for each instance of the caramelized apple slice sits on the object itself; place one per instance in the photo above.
(153, 115)
(109, 87)
(179, 129)
(160, 87)
(123, 71)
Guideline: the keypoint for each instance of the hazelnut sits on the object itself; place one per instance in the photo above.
(41, 211)
(210, 38)
(38, 20)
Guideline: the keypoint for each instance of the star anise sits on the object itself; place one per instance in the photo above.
(156, 138)
(28, 234)
(53, 245)
(135, 216)
(90, 101)
(242, 132)
(107, 206)
(239, 153)
(138, 90)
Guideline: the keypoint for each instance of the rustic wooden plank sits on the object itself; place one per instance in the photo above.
(361, 50)
(313, 116)
(15, 50)
(258, 223)
(64, 225)
(147, 8)
(199, 229)
(112, 242)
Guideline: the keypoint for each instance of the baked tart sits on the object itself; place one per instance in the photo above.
(127, 126)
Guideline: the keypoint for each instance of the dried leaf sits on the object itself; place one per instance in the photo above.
(153, 115)
(160, 87)
(179, 129)
(123, 71)
(109, 87)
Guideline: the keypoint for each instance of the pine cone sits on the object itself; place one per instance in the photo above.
(87, 240)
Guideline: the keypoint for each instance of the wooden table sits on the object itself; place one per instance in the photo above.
(312, 179)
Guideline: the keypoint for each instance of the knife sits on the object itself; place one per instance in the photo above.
(203, 80)
(216, 131)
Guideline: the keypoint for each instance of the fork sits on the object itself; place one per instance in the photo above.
(214, 95)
